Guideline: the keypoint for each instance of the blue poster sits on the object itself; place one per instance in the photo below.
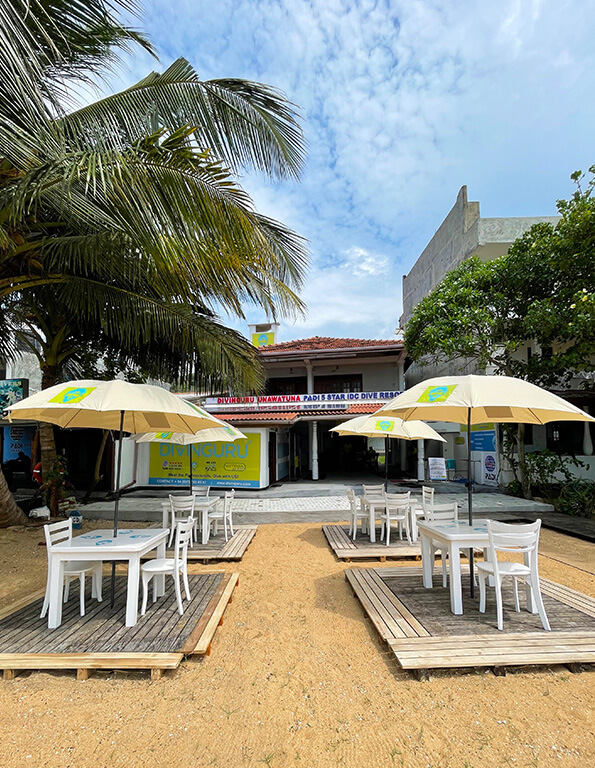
(17, 440)
(484, 440)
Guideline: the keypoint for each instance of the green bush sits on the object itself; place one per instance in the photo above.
(577, 498)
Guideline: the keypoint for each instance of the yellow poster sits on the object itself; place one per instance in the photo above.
(263, 339)
(233, 465)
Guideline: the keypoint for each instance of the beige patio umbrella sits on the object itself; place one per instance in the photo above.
(224, 434)
(113, 405)
(477, 400)
(373, 426)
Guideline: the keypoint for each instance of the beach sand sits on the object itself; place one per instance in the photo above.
(297, 677)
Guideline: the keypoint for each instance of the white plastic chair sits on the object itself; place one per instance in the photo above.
(180, 507)
(516, 539)
(201, 491)
(356, 513)
(396, 511)
(170, 566)
(373, 491)
(418, 511)
(224, 514)
(441, 513)
(54, 534)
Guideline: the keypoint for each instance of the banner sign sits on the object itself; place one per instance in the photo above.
(12, 391)
(234, 465)
(17, 441)
(489, 464)
(437, 468)
(329, 401)
(484, 438)
(263, 339)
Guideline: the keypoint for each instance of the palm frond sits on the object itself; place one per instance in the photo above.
(245, 124)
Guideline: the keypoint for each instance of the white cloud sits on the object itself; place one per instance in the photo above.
(403, 103)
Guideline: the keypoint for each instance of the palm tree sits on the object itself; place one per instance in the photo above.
(129, 207)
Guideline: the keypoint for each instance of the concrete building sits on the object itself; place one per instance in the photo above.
(462, 234)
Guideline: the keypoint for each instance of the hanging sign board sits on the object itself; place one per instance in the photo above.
(234, 465)
(306, 402)
(18, 440)
(437, 468)
(12, 391)
(489, 464)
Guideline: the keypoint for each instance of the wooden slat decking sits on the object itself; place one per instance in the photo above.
(101, 640)
(423, 634)
(219, 549)
(362, 548)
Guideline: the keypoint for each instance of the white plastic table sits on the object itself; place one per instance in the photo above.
(131, 544)
(371, 504)
(453, 537)
(202, 505)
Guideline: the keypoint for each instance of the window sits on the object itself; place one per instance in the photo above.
(296, 385)
(565, 437)
(341, 383)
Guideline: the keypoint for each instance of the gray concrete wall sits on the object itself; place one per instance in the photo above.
(462, 234)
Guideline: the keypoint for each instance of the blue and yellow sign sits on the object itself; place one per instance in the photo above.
(232, 465)
(72, 395)
(436, 394)
(384, 425)
(263, 339)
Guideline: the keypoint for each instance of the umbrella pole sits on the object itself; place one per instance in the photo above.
(470, 495)
(117, 507)
(386, 463)
(190, 467)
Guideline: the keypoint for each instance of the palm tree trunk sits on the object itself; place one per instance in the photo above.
(46, 431)
(10, 513)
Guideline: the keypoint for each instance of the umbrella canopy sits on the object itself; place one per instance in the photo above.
(373, 426)
(100, 404)
(117, 405)
(501, 399)
(477, 400)
(222, 434)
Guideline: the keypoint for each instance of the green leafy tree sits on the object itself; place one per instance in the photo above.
(128, 209)
(540, 293)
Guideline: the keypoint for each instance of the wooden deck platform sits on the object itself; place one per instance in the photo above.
(101, 640)
(420, 629)
(219, 549)
(363, 549)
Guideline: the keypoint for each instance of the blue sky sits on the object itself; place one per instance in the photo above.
(403, 103)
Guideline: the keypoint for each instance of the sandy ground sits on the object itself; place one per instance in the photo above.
(297, 677)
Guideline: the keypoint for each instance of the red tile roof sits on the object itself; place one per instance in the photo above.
(273, 416)
(258, 416)
(364, 407)
(328, 342)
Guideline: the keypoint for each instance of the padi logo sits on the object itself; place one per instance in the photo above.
(263, 340)
(230, 431)
(72, 395)
(436, 394)
(384, 426)
(164, 435)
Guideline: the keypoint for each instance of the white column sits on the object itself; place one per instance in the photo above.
(587, 441)
(310, 391)
(314, 451)
(420, 461)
